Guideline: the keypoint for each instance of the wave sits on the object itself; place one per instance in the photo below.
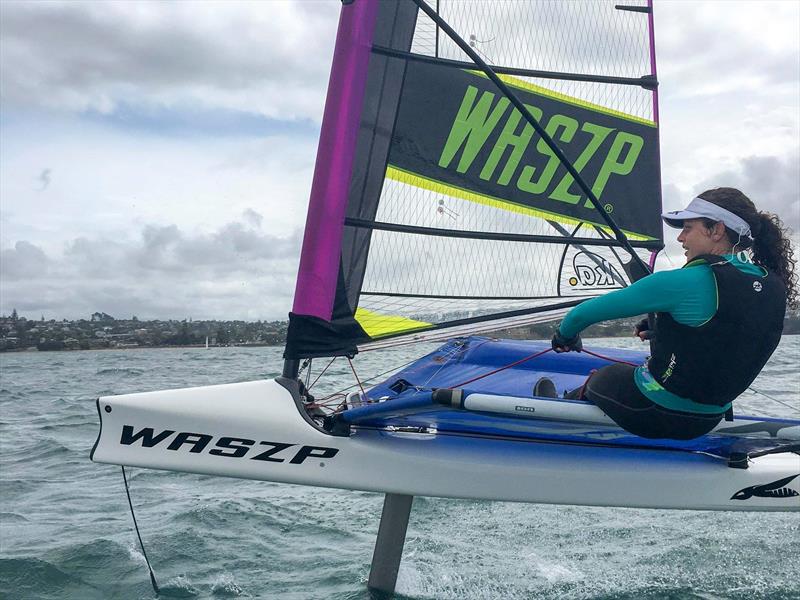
(34, 578)
(121, 371)
(7, 518)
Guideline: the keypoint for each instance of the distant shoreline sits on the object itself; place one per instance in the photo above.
(203, 347)
(104, 332)
(194, 346)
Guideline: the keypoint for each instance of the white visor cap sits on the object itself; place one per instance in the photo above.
(699, 209)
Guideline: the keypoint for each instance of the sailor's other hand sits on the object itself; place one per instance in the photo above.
(643, 331)
(562, 344)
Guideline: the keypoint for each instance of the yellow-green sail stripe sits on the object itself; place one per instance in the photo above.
(543, 91)
(377, 325)
(397, 174)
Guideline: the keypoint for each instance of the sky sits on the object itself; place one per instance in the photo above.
(156, 158)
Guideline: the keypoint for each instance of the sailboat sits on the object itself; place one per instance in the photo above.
(481, 166)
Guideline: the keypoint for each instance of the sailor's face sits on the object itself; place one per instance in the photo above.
(696, 238)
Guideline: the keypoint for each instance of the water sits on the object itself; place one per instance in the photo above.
(66, 532)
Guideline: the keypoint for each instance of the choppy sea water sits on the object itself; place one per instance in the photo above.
(66, 531)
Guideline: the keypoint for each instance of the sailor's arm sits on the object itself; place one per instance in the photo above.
(678, 291)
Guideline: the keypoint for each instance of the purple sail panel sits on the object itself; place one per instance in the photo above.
(319, 261)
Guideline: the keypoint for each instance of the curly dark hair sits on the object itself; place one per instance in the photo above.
(770, 239)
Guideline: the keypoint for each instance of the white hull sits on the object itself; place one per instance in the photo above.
(254, 430)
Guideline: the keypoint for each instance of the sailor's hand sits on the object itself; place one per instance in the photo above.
(643, 331)
(562, 344)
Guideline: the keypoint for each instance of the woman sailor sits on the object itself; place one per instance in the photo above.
(718, 321)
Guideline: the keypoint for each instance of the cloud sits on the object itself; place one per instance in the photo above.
(236, 271)
(255, 57)
(24, 260)
(708, 48)
(771, 182)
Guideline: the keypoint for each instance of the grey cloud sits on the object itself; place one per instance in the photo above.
(237, 271)
(672, 198)
(88, 55)
(22, 261)
(771, 182)
(704, 53)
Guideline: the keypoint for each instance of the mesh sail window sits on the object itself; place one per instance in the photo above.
(454, 215)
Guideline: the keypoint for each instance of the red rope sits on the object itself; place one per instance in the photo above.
(609, 359)
(321, 374)
(532, 356)
(358, 381)
(514, 364)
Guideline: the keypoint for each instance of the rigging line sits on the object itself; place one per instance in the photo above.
(786, 404)
(308, 387)
(358, 381)
(515, 363)
(139, 535)
(621, 237)
(370, 378)
(614, 274)
(536, 355)
(609, 359)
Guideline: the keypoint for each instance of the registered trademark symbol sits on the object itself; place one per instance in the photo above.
(609, 208)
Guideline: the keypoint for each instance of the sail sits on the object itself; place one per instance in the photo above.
(437, 207)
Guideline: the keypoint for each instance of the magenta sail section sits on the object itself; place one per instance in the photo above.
(319, 261)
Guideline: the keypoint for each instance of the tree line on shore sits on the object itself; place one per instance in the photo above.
(104, 331)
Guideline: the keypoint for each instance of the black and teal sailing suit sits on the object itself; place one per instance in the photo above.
(718, 320)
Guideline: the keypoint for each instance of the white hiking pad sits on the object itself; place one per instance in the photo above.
(580, 412)
(254, 430)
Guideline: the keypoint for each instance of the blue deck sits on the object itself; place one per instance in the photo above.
(460, 360)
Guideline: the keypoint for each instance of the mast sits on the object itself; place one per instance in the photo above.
(319, 260)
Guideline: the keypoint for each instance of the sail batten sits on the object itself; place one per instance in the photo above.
(645, 81)
(509, 237)
(470, 205)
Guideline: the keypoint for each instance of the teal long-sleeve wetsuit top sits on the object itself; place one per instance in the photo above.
(688, 294)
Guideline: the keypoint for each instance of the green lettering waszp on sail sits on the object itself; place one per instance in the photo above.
(472, 127)
(612, 165)
(599, 135)
(478, 116)
(568, 126)
(509, 137)
(458, 132)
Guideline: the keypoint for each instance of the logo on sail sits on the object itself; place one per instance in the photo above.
(593, 271)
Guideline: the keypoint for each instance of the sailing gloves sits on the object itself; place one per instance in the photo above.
(643, 331)
(562, 344)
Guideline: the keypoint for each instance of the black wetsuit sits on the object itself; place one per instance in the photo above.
(701, 368)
